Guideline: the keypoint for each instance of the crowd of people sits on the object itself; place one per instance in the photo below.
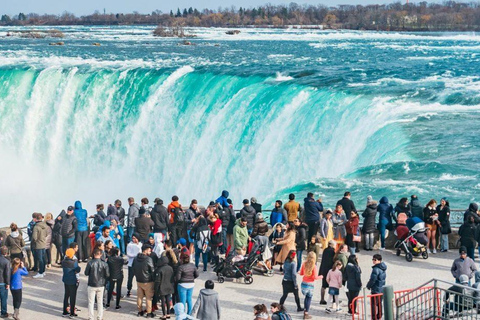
(164, 246)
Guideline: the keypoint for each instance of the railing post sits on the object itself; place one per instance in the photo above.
(388, 302)
(435, 299)
(365, 304)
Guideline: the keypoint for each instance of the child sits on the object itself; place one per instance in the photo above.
(314, 246)
(279, 312)
(180, 312)
(18, 270)
(334, 280)
(260, 312)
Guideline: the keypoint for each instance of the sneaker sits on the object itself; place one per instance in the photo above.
(38, 276)
(151, 315)
(328, 310)
(128, 293)
(382, 249)
(66, 315)
(338, 309)
(323, 302)
(428, 250)
(140, 314)
(118, 307)
(444, 250)
(107, 305)
(73, 315)
(300, 309)
(434, 251)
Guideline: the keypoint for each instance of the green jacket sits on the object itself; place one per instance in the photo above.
(240, 236)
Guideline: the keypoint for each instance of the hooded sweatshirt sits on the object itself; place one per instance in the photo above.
(240, 236)
(180, 314)
(81, 215)
(377, 278)
(39, 236)
(207, 305)
(472, 211)
(385, 210)
(164, 277)
(416, 208)
(222, 200)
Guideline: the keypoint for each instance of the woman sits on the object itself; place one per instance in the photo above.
(260, 312)
(216, 234)
(339, 219)
(70, 271)
(186, 275)
(201, 233)
(277, 234)
(352, 230)
(287, 243)
(279, 312)
(300, 240)
(15, 243)
(57, 237)
(430, 216)
(289, 283)
(443, 210)
(310, 273)
(369, 216)
(18, 271)
(115, 267)
(385, 210)
(164, 282)
(325, 266)
(353, 277)
(117, 234)
(326, 228)
(49, 240)
(402, 207)
(467, 233)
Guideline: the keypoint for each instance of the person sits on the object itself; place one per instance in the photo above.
(326, 228)
(402, 207)
(115, 268)
(260, 312)
(15, 243)
(81, 233)
(300, 240)
(5, 272)
(352, 228)
(191, 215)
(39, 242)
(277, 234)
(463, 265)
(278, 215)
(18, 271)
(385, 210)
(143, 269)
(458, 298)
(57, 237)
(116, 233)
(240, 234)
(289, 283)
(133, 212)
(415, 207)
(49, 239)
(97, 272)
(249, 213)
(476, 293)
(227, 215)
(339, 219)
(105, 234)
(313, 209)
(260, 228)
(315, 246)
(443, 210)
(369, 226)
(173, 261)
(201, 233)
(215, 235)
(222, 200)
(292, 207)
(287, 243)
(207, 305)
(334, 280)
(430, 216)
(347, 204)
(120, 213)
(325, 266)
(353, 279)
(342, 256)
(468, 235)
(69, 226)
(178, 227)
(159, 216)
(164, 284)
(179, 309)
(133, 249)
(112, 214)
(70, 282)
(375, 285)
(309, 271)
(186, 275)
(143, 225)
(256, 206)
(98, 218)
(279, 312)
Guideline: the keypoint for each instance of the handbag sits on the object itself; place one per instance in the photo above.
(357, 237)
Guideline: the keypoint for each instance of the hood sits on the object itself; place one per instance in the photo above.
(249, 209)
(372, 205)
(382, 266)
(111, 210)
(50, 222)
(78, 205)
(237, 223)
(384, 200)
(41, 225)
(163, 261)
(225, 193)
(473, 207)
(179, 309)
(208, 292)
(280, 224)
(14, 234)
(141, 257)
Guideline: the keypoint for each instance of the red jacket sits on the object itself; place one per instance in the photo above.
(352, 225)
(215, 228)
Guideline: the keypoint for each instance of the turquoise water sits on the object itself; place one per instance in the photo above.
(263, 114)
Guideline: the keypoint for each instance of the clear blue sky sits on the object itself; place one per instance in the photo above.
(82, 7)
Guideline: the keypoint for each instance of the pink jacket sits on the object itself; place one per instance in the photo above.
(334, 279)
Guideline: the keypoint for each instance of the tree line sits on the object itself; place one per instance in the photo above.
(422, 16)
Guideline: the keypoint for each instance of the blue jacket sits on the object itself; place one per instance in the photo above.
(312, 210)
(385, 210)
(70, 269)
(223, 199)
(278, 215)
(377, 278)
(290, 272)
(81, 215)
(16, 279)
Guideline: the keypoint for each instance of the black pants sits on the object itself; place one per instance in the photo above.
(17, 298)
(48, 252)
(111, 285)
(376, 307)
(83, 242)
(130, 278)
(352, 295)
(17, 255)
(166, 304)
(70, 298)
(288, 287)
(312, 229)
(178, 231)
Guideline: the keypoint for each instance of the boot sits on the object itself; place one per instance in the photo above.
(16, 315)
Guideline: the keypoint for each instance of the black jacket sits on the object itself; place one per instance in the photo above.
(5, 270)
(226, 215)
(427, 215)
(121, 216)
(257, 207)
(99, 218)
(186, 273)
(249, 213)
(416, 208)
(353, 277)
(301, 237)
(369, 215)
(159, 217)
(143, 226)
(143, 268)
(467, 233)
(115, 267)
(348, 206)
(444, 218)
(231, 222)
(472, 211)
(327, 261)
(260, 228)
(164, 278)
(69, 225)
(97, 272)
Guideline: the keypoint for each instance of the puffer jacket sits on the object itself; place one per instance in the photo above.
(143, 268)
(164, 277)
(353, 277)
(97, 272)
(159, 217)
(99, 218)
(69, 225)
(260, 228)
(39, 236)
(226, 215)
(416, 209)
(301, 237)
(278, 215)
(81, 215)
(50, 224)
(385, 210)
(369, 215)
(115, 267)
(249, 213)
(377, 278)
(186, 273)
(121, 215)
(472, 211)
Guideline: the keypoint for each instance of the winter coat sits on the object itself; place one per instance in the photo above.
(416, 209)
(402, 208)
(301, 237)
(327, 261)
(225, 215)
(472, 211)
(260, 228)
(288, 243)
(121, 215)
(240, 236)
(468, 233)
(16, 278)
(81, 215)
(444, 218)
(15, 243)
(97, 272)
(293, 209)
(69, 225)
(99, 218)
(48, 240)
(159, 217)
(324, 227)
(57, 229)
(133, 212)
(353, 277)
(164, 277)
(5, 270)
(250, 214)
(312, 210)
(112, 214)
(385, 210)
(207, 305)
(352, 225)
(222, 200)
(257, 207)
(369, 215)
(39, 236)
(70, 269)
(377, 278)
(186, 273)
(278, 215)
(463, 266)
(428, 213)
(143, 226)
(334, 279)
(347, 205)
(343, 258)
(180, 314)
(231, 221)
(115, 267)
(339, 221)
(143, 268)
(191, 214)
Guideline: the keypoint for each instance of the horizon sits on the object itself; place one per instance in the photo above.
(88, 7)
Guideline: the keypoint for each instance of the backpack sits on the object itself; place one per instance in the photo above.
(178, 216)
(284, 316)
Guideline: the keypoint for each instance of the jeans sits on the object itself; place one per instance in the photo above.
(130, 278)
(66, 242)
(92, 293)
(48, 256)
(111, 285)
(121, 243)
(299, 259)
(130, 231)
(471, 252)
(3, 298)
(40, 255)
(83, 242)
(444, 242)
(224, 240)
(70, 298)
(185, 296)
(204, 257)
(369, 240)
(382, 227)
(17, 298)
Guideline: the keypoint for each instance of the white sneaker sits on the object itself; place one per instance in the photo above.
(428, 250)
(38, 275)
(338, 309)
(382, 249)
(434, 251)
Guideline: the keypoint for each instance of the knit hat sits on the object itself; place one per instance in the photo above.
(182, 241)
(70, 253)
(253, 199)
(369, 199)
(463, 279)
(463, 249)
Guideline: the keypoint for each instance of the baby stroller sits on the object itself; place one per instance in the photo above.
(261, 243)
(412, 239)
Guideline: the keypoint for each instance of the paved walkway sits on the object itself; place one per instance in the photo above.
(44, 297)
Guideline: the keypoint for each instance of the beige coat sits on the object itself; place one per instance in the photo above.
(288, 243)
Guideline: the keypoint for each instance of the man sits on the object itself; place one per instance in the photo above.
(231, 224)
(347, 204)
(143, 269)
(191, 215)
(292, 207)
(240, 234)
(159, 216)
(279, 215)
(227, 215)
(178, 227)
(81, 234)
(121, 224)
(30, 252)
(143, 225)
(463, 265)
(208, 304)
(133, 248)
(458, 298)
(313, 209)
(39, 243)
(249, 213)
(106, 235)
(415, 207)
(222, 200)
(376, 284)
(5, 274)
(133, 212)
(257, 206)
(97, 272)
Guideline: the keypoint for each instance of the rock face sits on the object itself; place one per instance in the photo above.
(57, 43)
(232, 32)
(96, 44)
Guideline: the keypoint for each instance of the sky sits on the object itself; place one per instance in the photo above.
(84, 7)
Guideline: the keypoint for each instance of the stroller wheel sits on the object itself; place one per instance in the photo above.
(399, 252)
(269, 273)
(248, 279)
(409, 257)
(425, 255)
(221, 279)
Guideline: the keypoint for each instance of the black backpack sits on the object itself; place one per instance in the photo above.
(178, 215)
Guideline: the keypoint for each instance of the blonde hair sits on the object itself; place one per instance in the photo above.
(310, 263)
(49, 216)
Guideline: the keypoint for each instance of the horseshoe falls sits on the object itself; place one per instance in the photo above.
(263, 113)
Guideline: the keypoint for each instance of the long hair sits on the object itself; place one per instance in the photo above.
(431, 203)
(171, 255)
(291, 255)
(260, 308)
(15, 265)
(337, 263)
(310, 263)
